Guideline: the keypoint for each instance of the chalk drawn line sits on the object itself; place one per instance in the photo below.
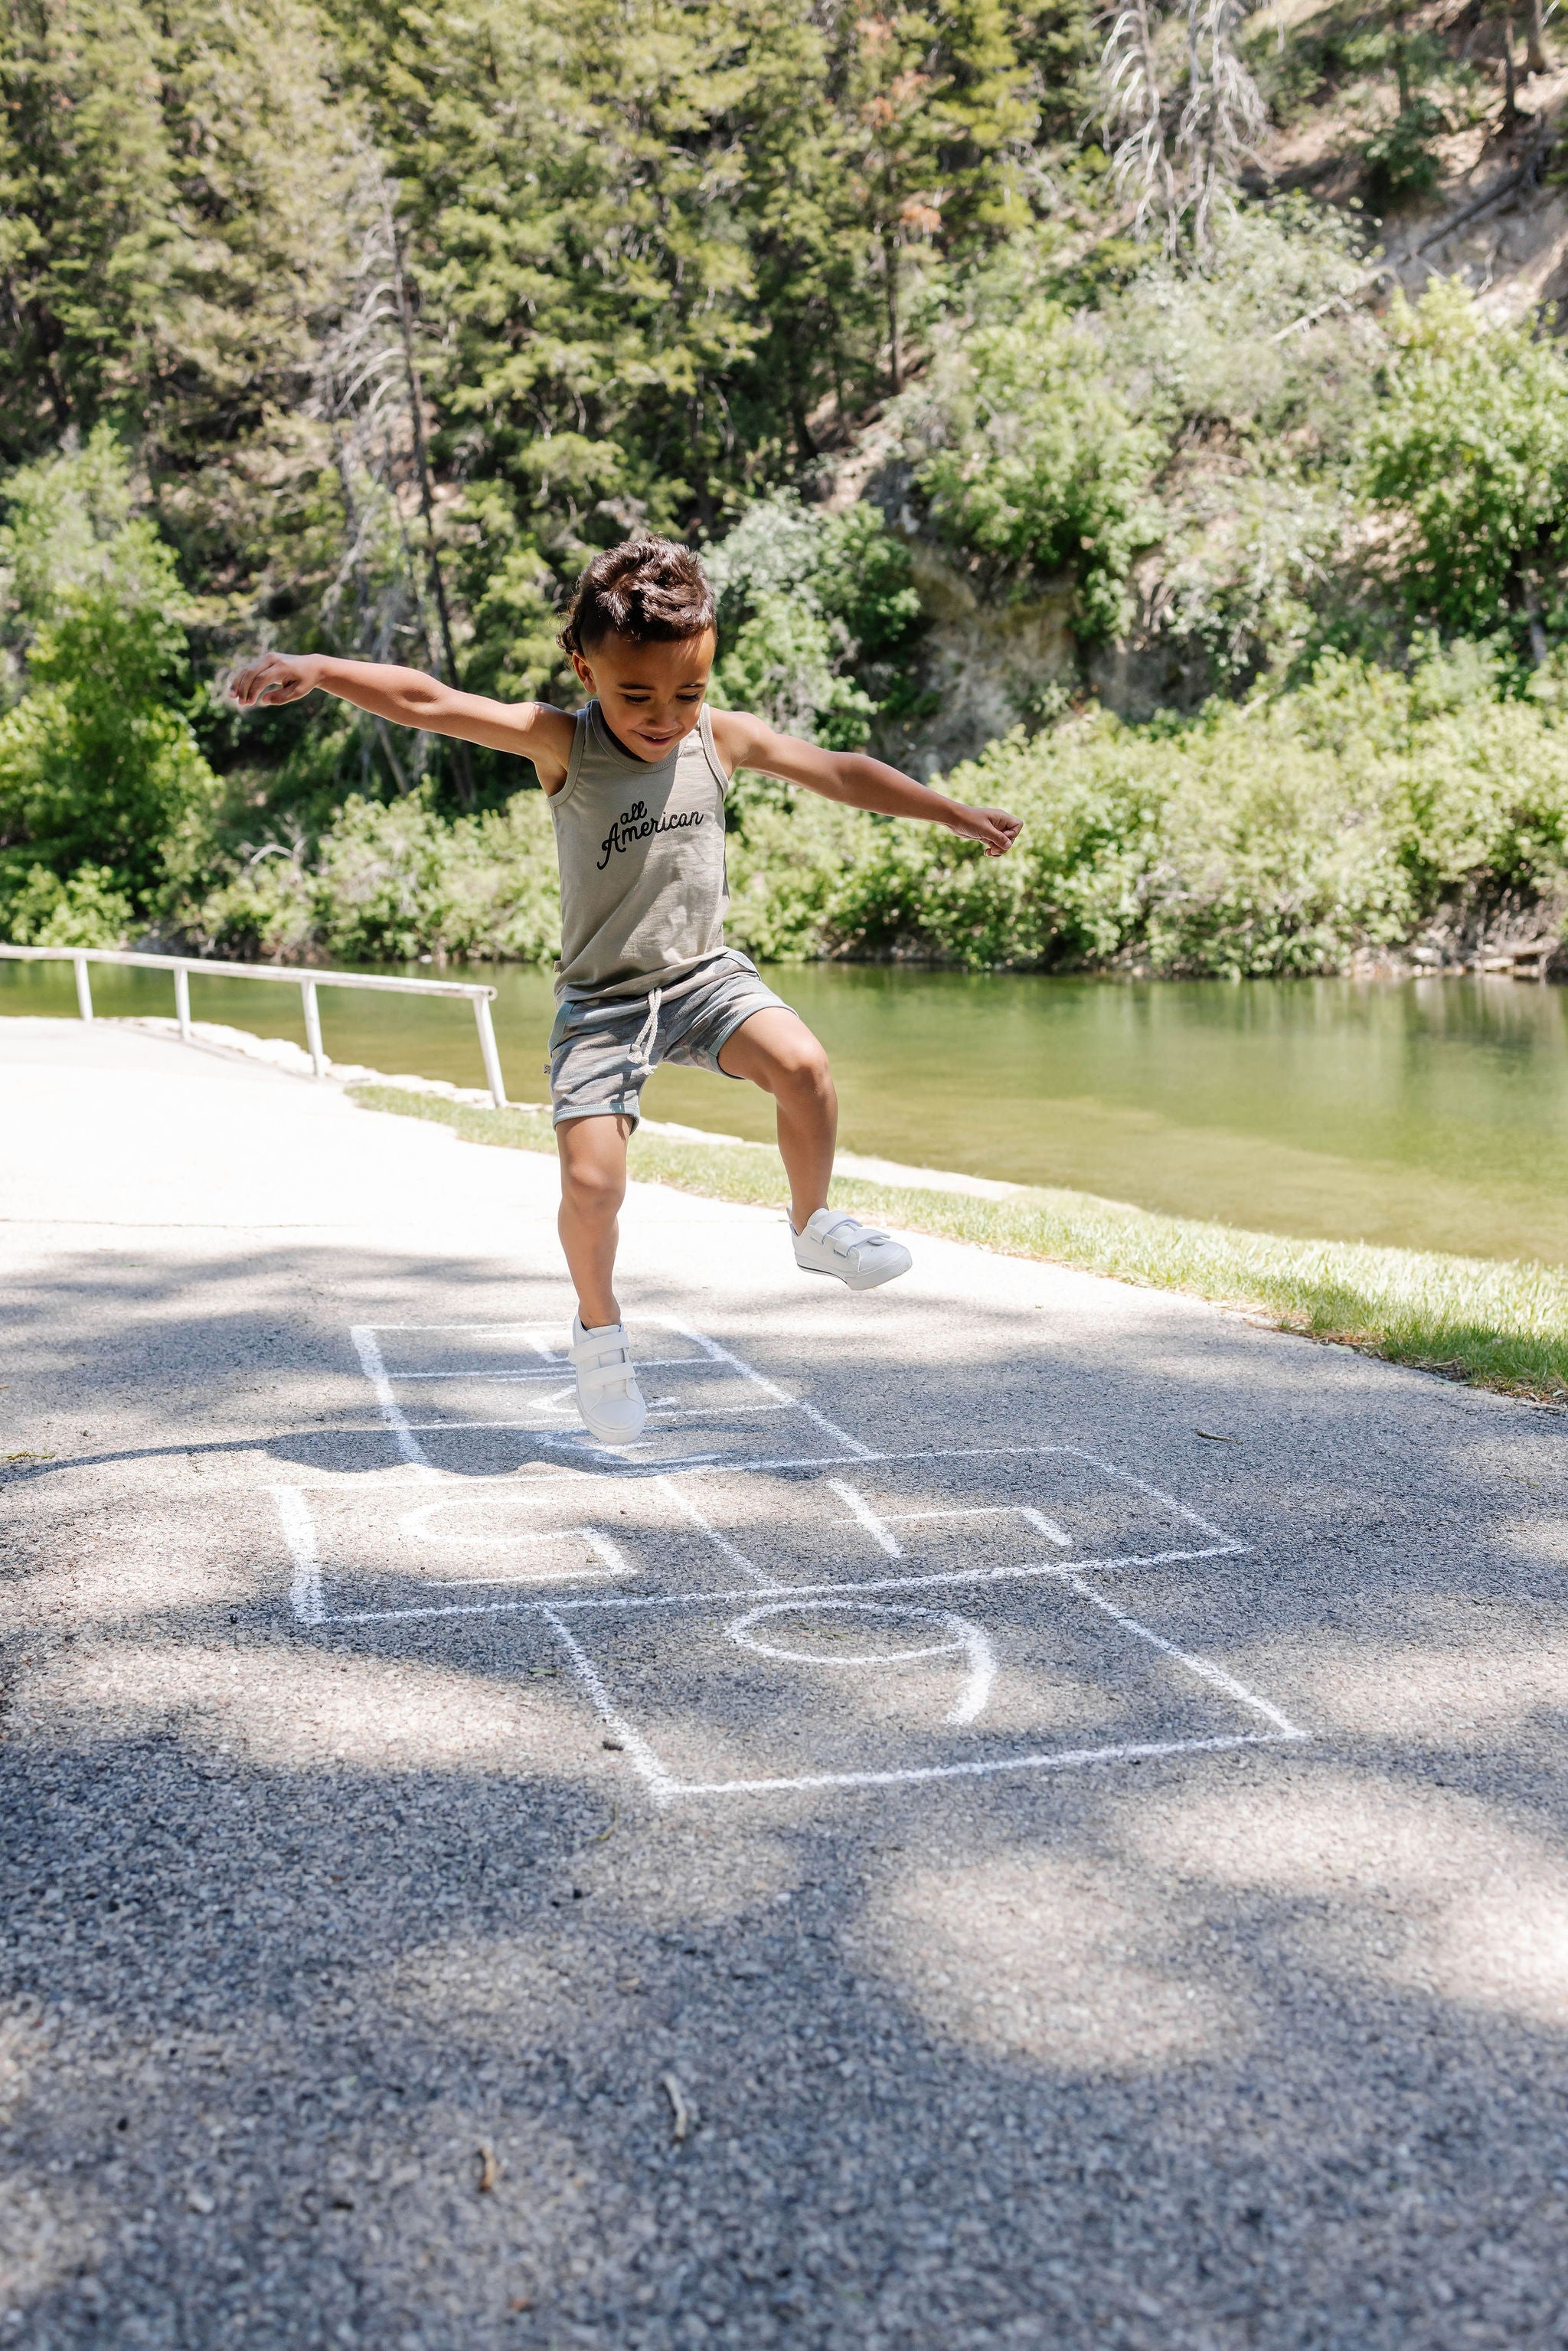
(405, 1435)
(766, 1597)
(664, 1785)
(1025, 1570)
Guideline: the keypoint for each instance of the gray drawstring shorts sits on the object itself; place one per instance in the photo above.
(605, 1049)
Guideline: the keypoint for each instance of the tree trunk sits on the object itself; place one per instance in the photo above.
(836, 363)
(702, 489)
(805, 439)
(385, 734)
(462, 766)
(364, 649)
(1536, 55)
(894, 332)
(406, 544)
(1509, 87)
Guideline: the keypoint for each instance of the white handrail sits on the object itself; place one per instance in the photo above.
(306, 982)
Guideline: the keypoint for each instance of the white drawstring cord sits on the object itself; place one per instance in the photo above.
(647, 1036)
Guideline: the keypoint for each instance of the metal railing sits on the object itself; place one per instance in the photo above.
(306, 982)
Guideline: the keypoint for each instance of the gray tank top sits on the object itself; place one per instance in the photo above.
(640, 846)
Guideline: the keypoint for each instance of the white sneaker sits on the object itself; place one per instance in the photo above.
(853, 1253)
(608, 1395)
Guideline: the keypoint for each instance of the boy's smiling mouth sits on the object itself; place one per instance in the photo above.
(646, 743)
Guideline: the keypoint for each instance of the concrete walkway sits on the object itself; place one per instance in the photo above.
(1028, 1812)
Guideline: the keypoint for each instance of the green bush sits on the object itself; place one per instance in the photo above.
(1401, 158)
(98, 766)
(390, 880)
(1034, 460)
(819, 619)
(1281, 836)
(86, 911)
(1469, 459)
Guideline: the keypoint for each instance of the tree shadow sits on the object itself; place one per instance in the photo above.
(1256, 2048)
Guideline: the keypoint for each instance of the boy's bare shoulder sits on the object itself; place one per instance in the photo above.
(551, 725)
(738, 736)
(544, 735)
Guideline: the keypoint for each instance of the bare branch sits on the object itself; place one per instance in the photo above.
(1133, 109)
(1223, 118)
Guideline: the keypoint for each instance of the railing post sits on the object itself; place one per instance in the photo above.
(313, 1026)
(492, 1060)
(183, 1002)
(84, 987)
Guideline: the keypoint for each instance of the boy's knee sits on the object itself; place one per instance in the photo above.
(593, 1190)
(804, 1068)
(592, 1183)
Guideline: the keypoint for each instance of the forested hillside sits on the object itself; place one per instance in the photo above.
(1161, 406)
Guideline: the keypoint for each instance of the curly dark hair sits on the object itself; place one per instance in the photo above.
(648, 590)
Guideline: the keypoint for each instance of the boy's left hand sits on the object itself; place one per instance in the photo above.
(994, 828)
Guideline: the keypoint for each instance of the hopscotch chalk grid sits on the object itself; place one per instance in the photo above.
(768, 1614)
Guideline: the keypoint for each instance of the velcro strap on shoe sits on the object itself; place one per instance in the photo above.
(855, 1238)
(609, 1367)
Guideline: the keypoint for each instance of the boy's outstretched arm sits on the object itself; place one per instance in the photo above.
(409, 697)
(856, 780)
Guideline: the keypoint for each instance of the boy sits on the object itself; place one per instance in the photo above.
(636, 783)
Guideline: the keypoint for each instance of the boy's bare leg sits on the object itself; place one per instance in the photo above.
(778, 1052)
(592, 1186)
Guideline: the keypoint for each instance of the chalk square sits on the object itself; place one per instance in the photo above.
(713, 1699)
(506, 1350)
(544, 1401)
(940, 1513)
(506, 1393)
(454, 1546)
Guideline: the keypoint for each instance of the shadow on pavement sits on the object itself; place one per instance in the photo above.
(346, 1969)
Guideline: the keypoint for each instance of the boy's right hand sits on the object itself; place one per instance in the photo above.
(275, 678)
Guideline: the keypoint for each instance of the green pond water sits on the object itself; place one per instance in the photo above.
(1428, 1113)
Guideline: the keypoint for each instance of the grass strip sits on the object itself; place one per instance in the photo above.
(1497, 1325)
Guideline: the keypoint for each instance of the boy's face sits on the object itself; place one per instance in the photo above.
(651, 694)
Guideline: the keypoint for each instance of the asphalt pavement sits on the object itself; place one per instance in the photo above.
(1029, 1811)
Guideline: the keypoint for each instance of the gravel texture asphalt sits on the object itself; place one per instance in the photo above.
(1028, 1812)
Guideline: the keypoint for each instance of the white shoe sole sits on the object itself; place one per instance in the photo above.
(870, 1280)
